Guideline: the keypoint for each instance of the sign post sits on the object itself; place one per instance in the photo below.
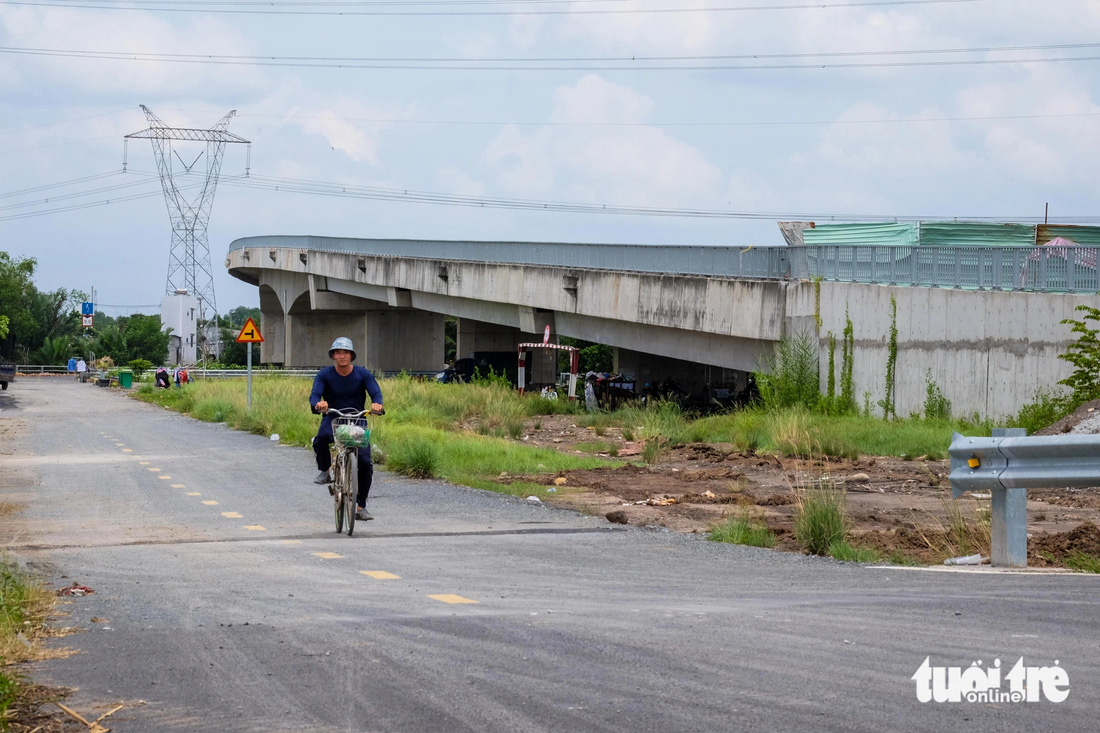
(250, 334)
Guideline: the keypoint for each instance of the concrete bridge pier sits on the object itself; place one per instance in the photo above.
(476, 336)
(300, 319)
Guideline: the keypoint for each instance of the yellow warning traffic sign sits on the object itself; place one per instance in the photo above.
(250, 334)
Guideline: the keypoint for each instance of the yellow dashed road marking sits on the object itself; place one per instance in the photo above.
(232, 515)
(328, 555)
(127, 450)
(120, 445)
(143, 463)
(179, 486)
(380, 575)
(256, 527)
(164, 477)
(210, 503)
(450, 598)
(154, 469)
(194, 493)
(291, 542)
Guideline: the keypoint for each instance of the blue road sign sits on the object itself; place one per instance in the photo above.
(87, 308)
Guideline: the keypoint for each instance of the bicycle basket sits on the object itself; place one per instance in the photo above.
(351, 431)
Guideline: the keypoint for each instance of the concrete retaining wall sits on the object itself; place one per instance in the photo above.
(989, 352)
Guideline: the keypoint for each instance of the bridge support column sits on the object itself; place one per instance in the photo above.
(403, 340)
(477, 336)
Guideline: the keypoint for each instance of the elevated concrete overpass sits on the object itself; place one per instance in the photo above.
(705, 315)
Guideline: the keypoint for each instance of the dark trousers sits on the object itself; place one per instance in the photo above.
(321, 443)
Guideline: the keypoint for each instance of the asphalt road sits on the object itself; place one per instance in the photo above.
(226, 602)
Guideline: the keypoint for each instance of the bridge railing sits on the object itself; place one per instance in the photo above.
(1041, 268)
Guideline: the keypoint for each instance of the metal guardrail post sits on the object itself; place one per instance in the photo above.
(1008, 518)
(1007, 465)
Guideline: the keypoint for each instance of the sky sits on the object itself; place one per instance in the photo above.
(709, 119)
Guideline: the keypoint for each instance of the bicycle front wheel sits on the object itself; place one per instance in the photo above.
(338, 479)
(351, 489)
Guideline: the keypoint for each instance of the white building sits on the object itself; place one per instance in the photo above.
(179, 312)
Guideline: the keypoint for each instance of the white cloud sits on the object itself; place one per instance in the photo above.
(524, 163)
(666, 32)
(594, 99)
(893, 146)
(452, 180)
(634, 164)
(141, 33)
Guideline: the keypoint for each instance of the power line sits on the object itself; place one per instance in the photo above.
(412, 196)
(636, 64)
(347, 9)
(57, 145)
(64, 122)
(88, 205)
(336, 190)
(657, 123)
(76, 195)
(61, 184)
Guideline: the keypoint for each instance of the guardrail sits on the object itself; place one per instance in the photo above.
(1007, 465)
(197, 373)
(40, 369)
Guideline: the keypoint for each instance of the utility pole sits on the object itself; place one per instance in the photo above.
(189, 256)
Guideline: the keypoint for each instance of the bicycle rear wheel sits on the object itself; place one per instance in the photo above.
(338, 479)
(351, 489)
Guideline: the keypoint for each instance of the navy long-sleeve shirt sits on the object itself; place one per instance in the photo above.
(343, 393)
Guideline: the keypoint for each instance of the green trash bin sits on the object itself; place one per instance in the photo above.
(125, 379)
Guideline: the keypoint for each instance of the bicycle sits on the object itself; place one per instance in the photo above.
(350, 432)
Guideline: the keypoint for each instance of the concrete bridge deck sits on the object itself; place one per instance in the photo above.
(722, 309)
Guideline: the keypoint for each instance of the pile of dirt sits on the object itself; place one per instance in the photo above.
(895, 505)
(1085, 419)
(1053, 549)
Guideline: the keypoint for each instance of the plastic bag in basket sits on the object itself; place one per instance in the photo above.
(353, 435)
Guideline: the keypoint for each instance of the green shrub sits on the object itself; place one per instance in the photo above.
(140, 366)
(936, 406)
(820, 520)
(1047, 408)
(9, 691)
(790, 377)
(1084, 355)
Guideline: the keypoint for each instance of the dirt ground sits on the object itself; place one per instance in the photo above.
(894, 505)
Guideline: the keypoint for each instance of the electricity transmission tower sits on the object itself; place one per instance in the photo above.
(189, 257)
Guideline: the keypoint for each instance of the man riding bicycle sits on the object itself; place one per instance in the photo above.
(343, 386)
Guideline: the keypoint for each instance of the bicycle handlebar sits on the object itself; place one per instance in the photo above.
(348, 412)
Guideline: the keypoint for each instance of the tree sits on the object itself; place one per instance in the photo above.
(54, 351)
(16, 288)
(240, 314)
(143, 338)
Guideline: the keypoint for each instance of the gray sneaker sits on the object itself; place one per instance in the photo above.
(362, 514)
(324, 477)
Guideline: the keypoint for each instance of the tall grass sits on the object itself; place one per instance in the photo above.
(417, 458)
(280, 406)
(845, 552)
(429, 429)
(966, 531)
(744, 528)
(820, 520)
